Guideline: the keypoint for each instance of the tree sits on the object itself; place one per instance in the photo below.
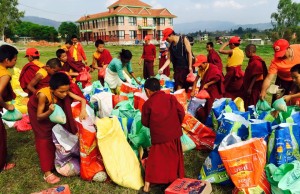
(10, 15)
(67, 29)
(286, 18)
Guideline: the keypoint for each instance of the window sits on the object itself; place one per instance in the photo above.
(132, 34)
(93, 23)
(171, 21)
(132, 21)
(120, 20)
(113, 21)
(161, 21)
(144, 21)
(108, 21)
(121, 34)
(159, 34)
(154, 21)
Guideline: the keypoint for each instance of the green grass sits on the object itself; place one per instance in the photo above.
(26, 177)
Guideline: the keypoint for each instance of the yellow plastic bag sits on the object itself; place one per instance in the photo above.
(239, 102)
(120, 161)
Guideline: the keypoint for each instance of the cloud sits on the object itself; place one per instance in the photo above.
(200, 6)
(228, 4)
(261, 2)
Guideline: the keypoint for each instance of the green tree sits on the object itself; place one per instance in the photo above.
(286, 18)
(10, 15)
(67, 29)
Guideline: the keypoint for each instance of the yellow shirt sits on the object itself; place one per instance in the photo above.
(4, 71)
(75, 56)
(202, 73)
(236, 58)
(51, 98)
(97, 55)
(38, 63)
(43, 72)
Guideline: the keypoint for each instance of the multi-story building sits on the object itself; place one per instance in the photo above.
(125, 22)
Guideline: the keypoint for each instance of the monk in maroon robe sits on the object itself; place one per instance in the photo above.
(40, 107)
(8, 54)
(212, 81)
(254, 76)
(213, 57)
(163, 114)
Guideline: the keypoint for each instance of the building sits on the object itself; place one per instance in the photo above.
(125, 22)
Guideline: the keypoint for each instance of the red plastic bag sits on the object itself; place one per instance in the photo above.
(138, 100)
(90, 158)
(23, 124)
(190, 77)
(84, 76)
(181, 97)
(201, 135)
(101, 72)
(187, 185)
(202, 94)
(118, 98)
(128, 88)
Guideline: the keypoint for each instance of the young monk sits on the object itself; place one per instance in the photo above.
(8, 59)
(66, 48)
(294, 97)
(42, 76)
(102, 58)
(254, 76)
(67, 64)
(163, 56)
(213, 57)
(40, 107)
(211, 81)
(30, 69)
(163, 114)
(149, 56)
(233, 80)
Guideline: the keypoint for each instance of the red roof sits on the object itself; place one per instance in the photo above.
(130, 12)
(135, 3)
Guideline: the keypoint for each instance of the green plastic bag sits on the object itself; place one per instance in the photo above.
(280, 105)
(187, 143)
(12, 115)
(263, 105)
(58, 115)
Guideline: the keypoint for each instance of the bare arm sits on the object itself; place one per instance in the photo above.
(42, 101)
(195, 85)
(4, 80)
(83, 113)
(189, 51)
(209, 83)
(223, 51)
(132, 74)
(266, 85)
(167, 63)
(36, 79)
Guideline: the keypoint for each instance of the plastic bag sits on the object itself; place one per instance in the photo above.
(280, 105)
(259, 129)
(240, 104)
(58, 115)
(83, 76)
(67, 151)
(202, 94)
(139, 100)
(190, 77)
(194, 104)
(91, 160)
(181, 98)
(118, 98)
(120, 161)
(187, 143)
(244, 160)
(101, 73)
(23, 124)
(12, 115)
(263, 105)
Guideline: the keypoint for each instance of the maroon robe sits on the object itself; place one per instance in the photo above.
(163, 114)
(256, 67)
(104, 59)
(233, 82)
(214, 58)
(215, 90)
(43, 130)
(7, 95)
(26, 75)
(162, 60)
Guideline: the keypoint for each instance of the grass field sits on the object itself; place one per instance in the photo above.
(26, 177)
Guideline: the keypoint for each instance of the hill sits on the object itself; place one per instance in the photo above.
(41, 21)
(212, 26)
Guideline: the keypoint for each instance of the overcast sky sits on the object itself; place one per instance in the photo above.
(237, 11)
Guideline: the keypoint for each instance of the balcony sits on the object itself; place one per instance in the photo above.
(148, 27)
(87, 30)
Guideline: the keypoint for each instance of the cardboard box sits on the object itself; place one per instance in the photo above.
(61, 189)
(187, 185)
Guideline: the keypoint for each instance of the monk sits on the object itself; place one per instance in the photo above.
(40, 107)
(67, 64)
(42, 76)
(163, 114)
(102, 58)
(255, 73)
(8, 59)
(213, 57)
(30, 69)
(233, 80)
(211, 81)
(148, 56)
(163, 56)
